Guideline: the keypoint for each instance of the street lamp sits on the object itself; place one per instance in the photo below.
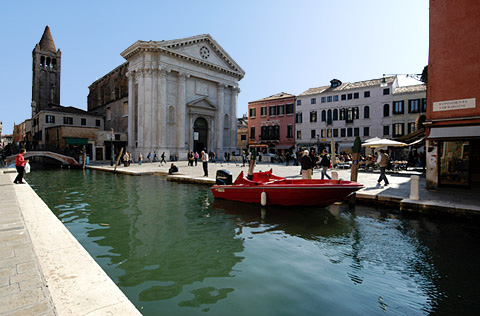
(318, 143)
(111, 146)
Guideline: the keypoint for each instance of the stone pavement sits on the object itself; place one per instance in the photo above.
(453, 201)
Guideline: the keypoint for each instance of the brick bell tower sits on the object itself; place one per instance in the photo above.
(46, 73)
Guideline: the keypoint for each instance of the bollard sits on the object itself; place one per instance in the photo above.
(263, 198)
(414, 188)
(334, 175)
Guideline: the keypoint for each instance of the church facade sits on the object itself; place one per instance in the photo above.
(182, 95)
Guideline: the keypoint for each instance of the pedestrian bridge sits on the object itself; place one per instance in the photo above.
(66, 160)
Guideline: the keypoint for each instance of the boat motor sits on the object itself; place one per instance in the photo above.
(224, 177)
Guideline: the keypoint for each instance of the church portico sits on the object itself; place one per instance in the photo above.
(181, 98)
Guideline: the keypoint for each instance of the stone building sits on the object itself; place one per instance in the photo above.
(242, 133)
(46, 73)
(182, 95)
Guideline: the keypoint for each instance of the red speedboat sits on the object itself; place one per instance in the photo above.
(266, 188)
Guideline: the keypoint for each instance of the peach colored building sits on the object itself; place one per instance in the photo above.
(453, 94)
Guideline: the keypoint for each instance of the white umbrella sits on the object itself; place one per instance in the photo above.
(332, 152)
(383, 143)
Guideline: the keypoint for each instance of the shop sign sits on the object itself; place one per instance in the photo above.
(454, 105)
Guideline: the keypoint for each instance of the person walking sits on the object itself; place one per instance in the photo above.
(190, 158)
(205, 163)
(20, 163)
(149, 156)
(163, 158)
(155, 156)
(251, 166)
(195, 158)
(244, 158)
(307, 165)
(382, 163)
(140, 158)
(325, 164)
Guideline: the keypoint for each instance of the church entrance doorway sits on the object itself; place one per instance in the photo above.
(200, 134)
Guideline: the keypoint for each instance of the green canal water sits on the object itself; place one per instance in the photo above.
(173, 250)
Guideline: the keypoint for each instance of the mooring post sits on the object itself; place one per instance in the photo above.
(414, 188)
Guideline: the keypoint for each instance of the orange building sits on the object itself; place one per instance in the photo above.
(453, 94)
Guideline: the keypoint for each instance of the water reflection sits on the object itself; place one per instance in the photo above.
(171, 248)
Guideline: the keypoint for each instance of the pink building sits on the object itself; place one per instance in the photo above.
(271, 123)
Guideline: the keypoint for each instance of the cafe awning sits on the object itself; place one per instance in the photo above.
(76, 141)
(472, 131)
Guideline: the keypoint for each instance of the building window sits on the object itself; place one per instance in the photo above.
(424, 105)
(356, 95)
(243, 137)
(356, 113)
(299, 102)
(313, 100)
(280, 109)
(299, 134)
(414, 106)
(68, 120)
(323, 133)
(366, 131)
(313, 133)
(366, 94)
(263, 111)
(50, 119)
(335, 114)
(252, 132)
(343, 132)
(366, 112)
(386, 110)
(335, 132)
(298, 117)
(313, 116)
(289, 108)
(329, 117)
(342, 114)
(386, 91)
(335, 98)
(397, 129)
(98, 123)
(329, 133)
(356, 131)
(272, 111)
(109, 114)
(349, 96)
(125, 108)
(329, 99)
(398, 107)
(290, 131)
(83, 121)
(349, 115)
(412, 127)
(344, 97)
(349, 132)
(252, 113)
(323, 99)
(386, 130)
(324, 116)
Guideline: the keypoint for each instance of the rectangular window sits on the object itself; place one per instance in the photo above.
(342, 132)
(272, 111)
(349, 132)
(83, 121)
(68, 120)
(329, 133)
(263, 111)
(323, 99)
(313, 101)
(412, 127)
(335, 98)
(356, 131)
(98, 123)
(397, 129)
(329, 99)
(243, 137)
(299, 102)
(356, 95)
(414, 106)
(109, 114)
(386, 130)
(298, 117)
(366, 131)
(280, 109)
(398, 107)
(313, 133)
(125, 108)
(313, 116)
(252, 112)
(366, 94)
(252, 132)
(289, 108)
(299, 134)
(424, 105)
(323, 133)
(386, 91)
(50, 119)
(344, 97)
(290, 131)
(335, 132)
(349, 96)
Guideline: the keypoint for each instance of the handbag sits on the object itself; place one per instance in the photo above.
(27, 168)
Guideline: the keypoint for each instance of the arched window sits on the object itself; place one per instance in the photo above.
(335, 114)
(42, 61)
(356, 112)
(48, 62)
(171, 114)
(386, 110)
(329, 115)
(226, 122)
(366, 112)
(342, 114)
(324, 116)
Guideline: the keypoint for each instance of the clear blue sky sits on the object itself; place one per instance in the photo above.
(283, 46)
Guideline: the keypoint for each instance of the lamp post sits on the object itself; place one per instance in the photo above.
(318, 143)
(111, 146)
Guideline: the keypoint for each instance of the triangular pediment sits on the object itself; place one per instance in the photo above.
(203, 48)
(204, 103)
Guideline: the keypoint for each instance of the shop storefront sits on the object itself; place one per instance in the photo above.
(454, 162)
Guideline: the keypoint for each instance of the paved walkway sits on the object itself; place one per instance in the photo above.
(457, 201)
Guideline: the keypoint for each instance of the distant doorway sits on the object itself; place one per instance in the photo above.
(200, 130)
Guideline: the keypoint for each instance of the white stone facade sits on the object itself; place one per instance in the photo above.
(182, 95)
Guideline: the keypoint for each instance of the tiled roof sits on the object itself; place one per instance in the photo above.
(411, 89)
(348, 86)
(69, 110)
(281, 95)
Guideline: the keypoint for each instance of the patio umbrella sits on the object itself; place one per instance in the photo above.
(332, 153)
(383, 143)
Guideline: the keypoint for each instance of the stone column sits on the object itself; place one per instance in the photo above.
(147, 103)
(219, 120)
(162, 119)
(141, 110)
(131, 114)
(233, 119)
(181, 93)
(155, 109)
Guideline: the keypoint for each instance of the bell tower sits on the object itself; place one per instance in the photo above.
(46, 73)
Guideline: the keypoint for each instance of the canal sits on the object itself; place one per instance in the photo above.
(173, 250)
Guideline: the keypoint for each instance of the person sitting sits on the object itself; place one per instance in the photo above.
(172, 169)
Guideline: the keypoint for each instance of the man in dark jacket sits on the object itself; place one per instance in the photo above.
(325, 164)
(307, 165)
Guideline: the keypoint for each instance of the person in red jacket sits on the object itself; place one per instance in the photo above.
(20, 163)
